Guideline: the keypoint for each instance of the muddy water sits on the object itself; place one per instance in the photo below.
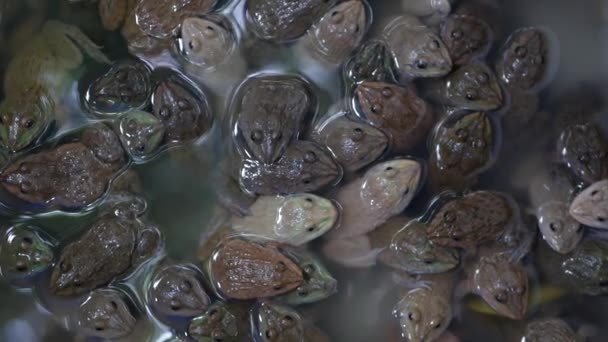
(180, 192)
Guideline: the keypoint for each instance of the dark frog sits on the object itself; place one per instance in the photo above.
(585, 152)
(183, 111)
(372, 62)
(276, 322)
(466, 37)
(586, 267)
(70, 175)
(222, 321)
(106, 314)
(305, 167)
(24, 252)
(284, 20)
(177, 291)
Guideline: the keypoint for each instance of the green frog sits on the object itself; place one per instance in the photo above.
(585, 151)
(141, 134)
(37, 80)
(371, 62)
(176, 290)
(223, 321)
(206, 42)
(590, 206)
(106, 314)
(24, 252)
(466, 37)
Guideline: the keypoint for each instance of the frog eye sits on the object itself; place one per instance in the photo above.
(302, 292)
(555, 226)
(438, 325)
(434, 44)
(276, 135)
(309, 269)
(26, 243)
(256, 136)
(140, 147)
(501, 297)
(358, 134)
(194, 45)
(376, 108)
(471, 95)
(421, 64)
(175, 304)
(483, 77)
(25, 187)
(387, 92)
(414, 315)
(310, 157)
(521, 51)
(27, 122)
(336, 17)
(311, 229)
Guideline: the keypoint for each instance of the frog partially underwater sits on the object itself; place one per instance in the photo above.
(106, 314)
(141, 134)
(207, 42)
(24, 252)
(550, 329)
(430, 11)
(590, 207)
(37, 80)
(177, 290)
(371, 62)
(274, 322)
(584, 151)
(467, 38)
(225, 321)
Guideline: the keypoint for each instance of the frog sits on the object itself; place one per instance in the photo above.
(584, 150)
(176, 290)
(70, 175)
(141, 134)
(339, 31)
(471, 87)
(371, 62)
(295, 219)
(398, 111)
(417, 50)
(161, 19)
(124, 87)
(271, 114)
(524, 59)
(469, 221)
(222, 321)
(184, 111)
(384, 191)
(206, 41)
(106, 313)
(462, 147)
(354, 143)
(38, 78)
(431, 11)
(550, 329)
(584, 268)
(109, 248)
(114, 13)
(318, 283)
(272, 321)
(466, 37)
(590, 206)
(281, 21)
(304, 167)
(25, 251)
(244, 269)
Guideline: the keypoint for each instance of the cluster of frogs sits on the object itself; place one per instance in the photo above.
(429, 84)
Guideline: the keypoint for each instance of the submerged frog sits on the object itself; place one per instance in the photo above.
(295, 219)
(467, 38)
(206, 42)
(524, 59)
(590, 207)
(272, 112)
(106, 314)
(550, 329)
(126, 86)
(281, 21)
(24, 252)
(161, 19)
(222, 321)
(397, 111)
(353, 143)
(371, 62)
(585, 268)
(177, 291)
(470, 87)
(340, 31)
(304, 167)
(242, 269)
(384, 191)
(583, 149)
(417, 51)
(183, 111)
(38, 78)
(141, 134)
(462, 148)
(110, 248)
(276, 322)
(70, 175)
(469, 221)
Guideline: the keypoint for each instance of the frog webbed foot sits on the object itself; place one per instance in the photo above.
(149, 243)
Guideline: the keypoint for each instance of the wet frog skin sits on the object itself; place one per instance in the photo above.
(141, 134)
(559, 229)
(184, 113)
(353, 143)
(71, 175)
(466, 37)
(106, 314)
(583, 149)
(280, 21)
(304, 167)
(590, 207)
(471, 220)
(222, 321)
(276, 322)
(524, 58)
(161, 19)
(397, 111)
(372, 62)
(272, 111)
(550, 329)
(126, 86)
(340, 31)
(585, 268)
(206, 41)
(24, 252)
(177, 291)
(37, 79)
(242, 269)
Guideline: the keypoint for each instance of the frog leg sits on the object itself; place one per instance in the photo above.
(69, 49)
(149, 243)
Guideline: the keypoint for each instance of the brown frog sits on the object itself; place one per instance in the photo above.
(550, 329)
(183, 111)
(524, 59)
(106, 314)
(276, 322)
(177, 291)
(304, 167)
(280, 21)
(242, 269)
(114, 13)
(583, 149)
(462, 148)
(372, 62)
(70, 175)
(397, 111)
(272, 112)
(467, 38)
(109, 248)
(225, 321)
(353, 143)
(469, 221)
(161, 19)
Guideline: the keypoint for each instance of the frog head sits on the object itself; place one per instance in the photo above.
(141, 133)
(176, 291)
(24, 252)
(590, 207)
(216, 324)
(276, 322)
(423, 315)
(559, 229)
(24, 120)
(586, 267)
(106, 314)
